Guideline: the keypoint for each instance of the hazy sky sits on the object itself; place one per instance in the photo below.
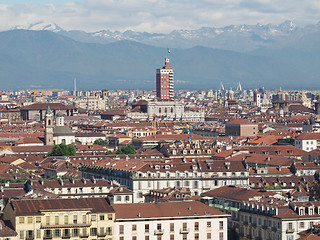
(155, 15)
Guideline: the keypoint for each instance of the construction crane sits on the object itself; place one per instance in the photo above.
(34, 92)
(154, 123)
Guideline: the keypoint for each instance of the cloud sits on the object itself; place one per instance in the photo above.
(157, 16)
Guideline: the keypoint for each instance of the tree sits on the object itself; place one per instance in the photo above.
(128, 149)
(109, 152)
(101, 142)
(62, 150)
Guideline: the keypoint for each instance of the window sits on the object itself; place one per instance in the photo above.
(110, 217)
(56, 220)
(109, 231)
(66, 232)
(38, 219)
(127, 198)
(21, 219)
(159, 226)
(47, 233)
(134, 238)
(57, 233)
(101, 230)
(171, 227)
(84, 219)
(185, 236)
(208, 224)
(118, 198)
(208, 235)
(146, 228)
(196, 226)
(29, 219)
(75, 219)
(301, 224)
(93, 218)
(159, 237)
(121, 229)
(134, 227)
(220, 225)
(47, 220)
(196, 236)
(66, 220)
(75, 232)
(184, 226)
(84, 232)
(289, 226)
(146, 238)
(21, 234)
(93, 231)
(220, 235)
(101, 217)
(171, 237)
(38, 233)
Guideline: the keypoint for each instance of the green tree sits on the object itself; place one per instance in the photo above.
(101, 142)
(62, 150)
(109, 152)
(128, 149)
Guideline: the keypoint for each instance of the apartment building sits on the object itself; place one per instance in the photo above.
(263, 215)
(84, 188)
(169, 221)
(141, 175)
(84, 218)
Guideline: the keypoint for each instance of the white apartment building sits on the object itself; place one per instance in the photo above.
(307, 141)
(169, 221)
(141, 175)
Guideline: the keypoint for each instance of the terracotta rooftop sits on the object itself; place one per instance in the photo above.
(165, 209)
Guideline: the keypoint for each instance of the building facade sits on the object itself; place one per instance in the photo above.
(164, 81)
(169, 221)
(84, 218)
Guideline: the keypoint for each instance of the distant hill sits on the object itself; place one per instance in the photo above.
(45, 59)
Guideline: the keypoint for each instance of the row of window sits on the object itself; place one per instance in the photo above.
(75, 232)
(173, 237)
(159, 227)
(66, 219)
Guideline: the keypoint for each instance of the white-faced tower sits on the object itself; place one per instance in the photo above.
(49, 127)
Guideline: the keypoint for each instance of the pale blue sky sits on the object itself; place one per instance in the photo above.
(160, 16)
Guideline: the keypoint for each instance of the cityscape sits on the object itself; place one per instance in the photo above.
(161, 164)
(159, 120)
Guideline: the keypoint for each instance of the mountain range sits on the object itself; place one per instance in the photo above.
(273, 56)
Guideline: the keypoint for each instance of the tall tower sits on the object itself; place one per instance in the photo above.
(164, 81)
(49, 127)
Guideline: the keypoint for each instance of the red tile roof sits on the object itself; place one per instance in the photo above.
(164, 209)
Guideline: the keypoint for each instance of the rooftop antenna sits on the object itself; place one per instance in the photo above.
(75, 87)
(239, 87)
(221, 87)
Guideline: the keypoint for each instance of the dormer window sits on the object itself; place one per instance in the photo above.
(301, 211)
(167, 167)
(157, 167)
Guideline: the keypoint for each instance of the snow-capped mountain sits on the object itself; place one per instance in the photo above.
(242, 38)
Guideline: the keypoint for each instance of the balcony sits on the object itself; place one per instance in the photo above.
(31, 237)
(102, 234)
(84, 235)
(245, 223)
(158, 232)
(66, 236)
(254, 224)
(290, 230)
(47, 236)
(184, 230)
(75, 225)
(264, 227)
